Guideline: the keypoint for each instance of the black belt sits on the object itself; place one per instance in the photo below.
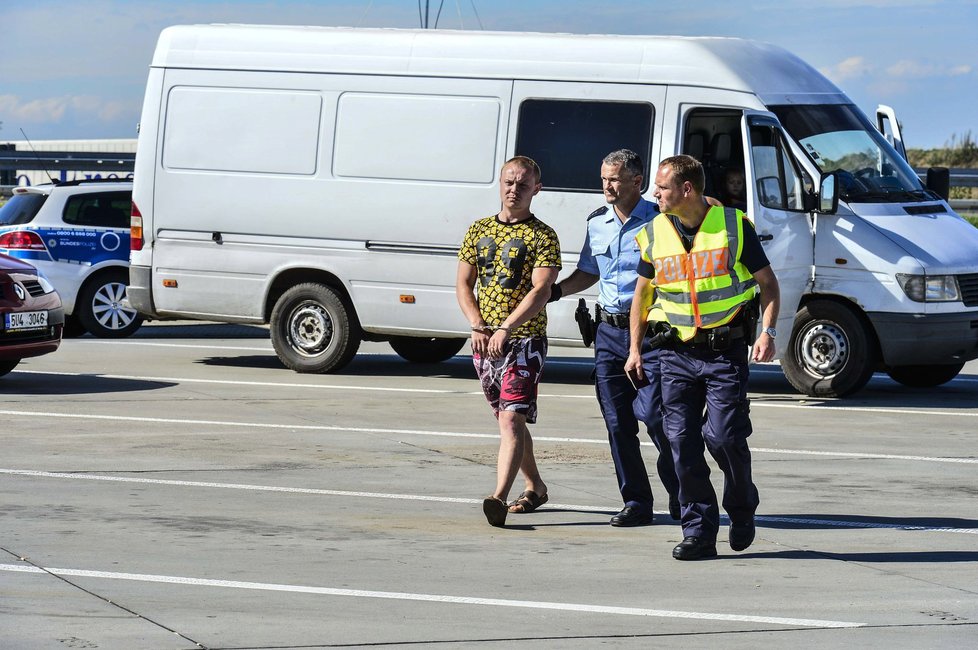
(615, 320)
(715, 337)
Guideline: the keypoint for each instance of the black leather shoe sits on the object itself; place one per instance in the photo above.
(631, 516)
(675, 509)
(741, 535)
(694, 548)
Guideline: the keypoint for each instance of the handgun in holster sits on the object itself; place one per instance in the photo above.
(752, 314)
(661, 335)
(584, 322)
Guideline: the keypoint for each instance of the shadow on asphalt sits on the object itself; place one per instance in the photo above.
(23, 382)
(800, 521)
(885, 556)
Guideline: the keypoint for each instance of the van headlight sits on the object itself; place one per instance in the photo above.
(929, 288)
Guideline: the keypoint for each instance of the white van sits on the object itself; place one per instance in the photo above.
(321, 179)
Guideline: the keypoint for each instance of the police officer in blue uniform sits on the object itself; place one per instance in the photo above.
(610, 257)
(705, 266)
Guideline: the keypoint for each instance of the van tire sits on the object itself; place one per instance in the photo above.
(98, 306)
(7, 365)
(924, 376)
(831, 352)
(312, 329)
(418, 349)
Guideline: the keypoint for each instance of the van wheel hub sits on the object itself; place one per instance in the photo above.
(824, 349)
(311, 329)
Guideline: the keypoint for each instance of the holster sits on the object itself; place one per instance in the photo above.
(584, 322)
(752, 314)
(661, 335)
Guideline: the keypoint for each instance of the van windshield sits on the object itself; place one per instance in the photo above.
(839, 138)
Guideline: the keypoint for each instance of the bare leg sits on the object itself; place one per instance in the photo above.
(515, 453)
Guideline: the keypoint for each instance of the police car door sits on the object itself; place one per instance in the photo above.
(777, 186)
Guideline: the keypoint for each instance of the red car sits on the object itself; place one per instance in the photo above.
(31, 316)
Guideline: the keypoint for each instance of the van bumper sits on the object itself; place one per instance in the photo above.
(926, 339)
(139, 293)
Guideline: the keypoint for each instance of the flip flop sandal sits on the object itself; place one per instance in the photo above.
(495, 511)
(527, 502)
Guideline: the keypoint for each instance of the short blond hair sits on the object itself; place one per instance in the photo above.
(526, 163)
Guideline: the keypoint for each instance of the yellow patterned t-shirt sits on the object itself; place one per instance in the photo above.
(505, 255)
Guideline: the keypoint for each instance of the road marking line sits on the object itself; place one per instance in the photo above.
(439, 499)
(449, 434)
(433, 598)
(755, 402)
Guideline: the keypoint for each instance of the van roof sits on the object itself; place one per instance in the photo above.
(770, 72)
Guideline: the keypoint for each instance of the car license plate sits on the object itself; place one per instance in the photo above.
(25, 320)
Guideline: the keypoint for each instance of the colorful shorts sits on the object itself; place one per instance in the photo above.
(510, 382)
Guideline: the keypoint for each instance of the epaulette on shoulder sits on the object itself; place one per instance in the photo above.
(597, 213)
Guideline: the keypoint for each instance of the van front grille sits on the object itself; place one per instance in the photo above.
(969, 289)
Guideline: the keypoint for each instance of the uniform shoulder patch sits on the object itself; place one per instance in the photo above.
(597, 213)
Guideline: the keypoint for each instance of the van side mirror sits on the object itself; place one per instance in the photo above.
(939, 181)
(828, 194)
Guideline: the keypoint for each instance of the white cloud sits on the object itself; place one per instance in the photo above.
(915, 70)
(14, 110)
(851, 68)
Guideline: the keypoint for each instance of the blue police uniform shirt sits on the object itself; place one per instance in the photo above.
(611, 252)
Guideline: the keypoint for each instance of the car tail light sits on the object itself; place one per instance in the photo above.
(21, 240)
(135, 229)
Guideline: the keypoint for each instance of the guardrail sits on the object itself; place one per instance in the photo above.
(960, 176)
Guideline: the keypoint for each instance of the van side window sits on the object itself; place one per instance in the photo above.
(779, 184)
(103, 210)
(569, 138)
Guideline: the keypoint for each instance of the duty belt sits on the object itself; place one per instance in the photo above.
(717, 338)
(615, 320)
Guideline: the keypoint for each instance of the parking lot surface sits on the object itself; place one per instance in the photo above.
(181, 489)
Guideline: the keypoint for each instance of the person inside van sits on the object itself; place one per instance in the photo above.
(734, 192)
(512, 259)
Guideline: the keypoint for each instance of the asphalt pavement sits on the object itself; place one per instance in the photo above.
(182, 489)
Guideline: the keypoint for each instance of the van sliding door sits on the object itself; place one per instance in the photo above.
(568, 128)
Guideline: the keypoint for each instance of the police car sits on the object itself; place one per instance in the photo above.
(77, 234)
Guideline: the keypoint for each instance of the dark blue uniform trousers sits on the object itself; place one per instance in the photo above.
(695, 378)
(623, 408)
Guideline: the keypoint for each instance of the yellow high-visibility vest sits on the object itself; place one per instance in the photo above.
(707, 286)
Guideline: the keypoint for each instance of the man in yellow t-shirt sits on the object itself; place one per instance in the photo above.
(514, 258)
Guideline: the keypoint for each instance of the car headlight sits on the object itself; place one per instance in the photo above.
(929, 288)
(45, 283)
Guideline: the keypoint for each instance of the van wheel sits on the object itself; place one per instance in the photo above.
(426, 350)
(830, 353)
(925, 376)
(7, 365)
(99, 307)
(312, 330)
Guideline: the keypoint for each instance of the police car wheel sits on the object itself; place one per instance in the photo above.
(100, 309)
(924, 376)
(313, 329)
(831, 353)
(7, 365)
(418, 349)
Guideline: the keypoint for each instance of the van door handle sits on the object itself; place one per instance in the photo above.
(217, 238)
(759, 237)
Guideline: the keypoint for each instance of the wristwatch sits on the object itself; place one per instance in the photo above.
(770, 331)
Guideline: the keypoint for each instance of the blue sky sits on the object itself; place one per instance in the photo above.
(77, 69)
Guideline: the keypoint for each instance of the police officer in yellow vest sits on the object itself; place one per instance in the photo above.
(705, 265)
